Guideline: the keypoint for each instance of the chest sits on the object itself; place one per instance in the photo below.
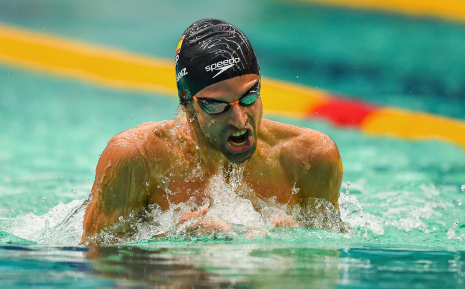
(271, 180)
(264, 180)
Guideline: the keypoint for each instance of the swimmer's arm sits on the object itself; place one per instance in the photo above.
(118, 189)
(320, 173)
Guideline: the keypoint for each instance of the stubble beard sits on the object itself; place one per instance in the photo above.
(216, 144)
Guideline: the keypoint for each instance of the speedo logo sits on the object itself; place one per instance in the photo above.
(222, 66)
(181, 74)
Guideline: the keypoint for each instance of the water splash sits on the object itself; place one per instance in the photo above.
(235, 174)
(179, 113)
(49, 228)
(352, 212)
(391, 213)
(295, 190)
(451, 231)
(228, 198)
(319, 214)
(230, 202)
(413, 215)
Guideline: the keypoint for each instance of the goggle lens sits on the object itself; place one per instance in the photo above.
(215, 108)
(249, 99)
(212, 106)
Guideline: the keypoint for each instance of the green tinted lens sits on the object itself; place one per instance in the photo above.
(214, 108)
(249, 99)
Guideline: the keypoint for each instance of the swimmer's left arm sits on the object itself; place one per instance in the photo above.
(320, 172)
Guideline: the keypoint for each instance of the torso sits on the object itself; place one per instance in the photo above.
(175, 173)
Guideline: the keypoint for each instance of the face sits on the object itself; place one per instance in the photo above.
(233, 132)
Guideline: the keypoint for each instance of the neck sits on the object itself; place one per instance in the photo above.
(209, 156)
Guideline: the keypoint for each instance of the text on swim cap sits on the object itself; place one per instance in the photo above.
(222, 65)
(181, 74)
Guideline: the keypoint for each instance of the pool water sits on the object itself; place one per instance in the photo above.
(402, 203)
(403, 200)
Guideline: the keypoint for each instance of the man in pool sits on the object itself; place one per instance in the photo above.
(171, 162)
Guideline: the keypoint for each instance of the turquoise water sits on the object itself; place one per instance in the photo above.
(403, 198)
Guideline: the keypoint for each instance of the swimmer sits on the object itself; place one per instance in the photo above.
(159, 163)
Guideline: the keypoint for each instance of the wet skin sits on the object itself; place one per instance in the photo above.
(133, 169)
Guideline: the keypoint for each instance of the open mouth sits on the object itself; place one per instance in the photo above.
(239, 138)
(239, 143)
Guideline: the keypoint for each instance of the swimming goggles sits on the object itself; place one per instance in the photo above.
(212, 106)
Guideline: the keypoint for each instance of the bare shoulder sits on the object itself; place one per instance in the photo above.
(120, 180)
(313, 146)
(143, 142)
(311, 157)
(299, 143)
(126, 145)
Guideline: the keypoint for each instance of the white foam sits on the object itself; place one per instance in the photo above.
(228, 206)
(352, 212)
(49, 228)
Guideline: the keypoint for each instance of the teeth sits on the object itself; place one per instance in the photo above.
(239, 133)
(238, 144)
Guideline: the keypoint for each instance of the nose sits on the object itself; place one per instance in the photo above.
(237, 117)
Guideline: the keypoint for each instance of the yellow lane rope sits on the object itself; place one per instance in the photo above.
(413, 125)
(62, 57)
(448, 9)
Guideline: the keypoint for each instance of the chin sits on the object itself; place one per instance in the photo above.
(237, 159)
(241, 157)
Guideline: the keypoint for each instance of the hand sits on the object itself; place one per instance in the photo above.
(192, 215)
(204, 226)
(281, 221)
(284, 221)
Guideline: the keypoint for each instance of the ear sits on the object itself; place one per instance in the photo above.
(188, 108)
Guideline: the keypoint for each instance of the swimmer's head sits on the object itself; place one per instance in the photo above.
(210, 51)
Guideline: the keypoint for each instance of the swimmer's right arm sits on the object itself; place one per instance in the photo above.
(118, 188)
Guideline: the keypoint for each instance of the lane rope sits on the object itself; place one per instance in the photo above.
(446, 9)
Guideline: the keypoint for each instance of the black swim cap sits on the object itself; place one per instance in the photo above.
(210, 51)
